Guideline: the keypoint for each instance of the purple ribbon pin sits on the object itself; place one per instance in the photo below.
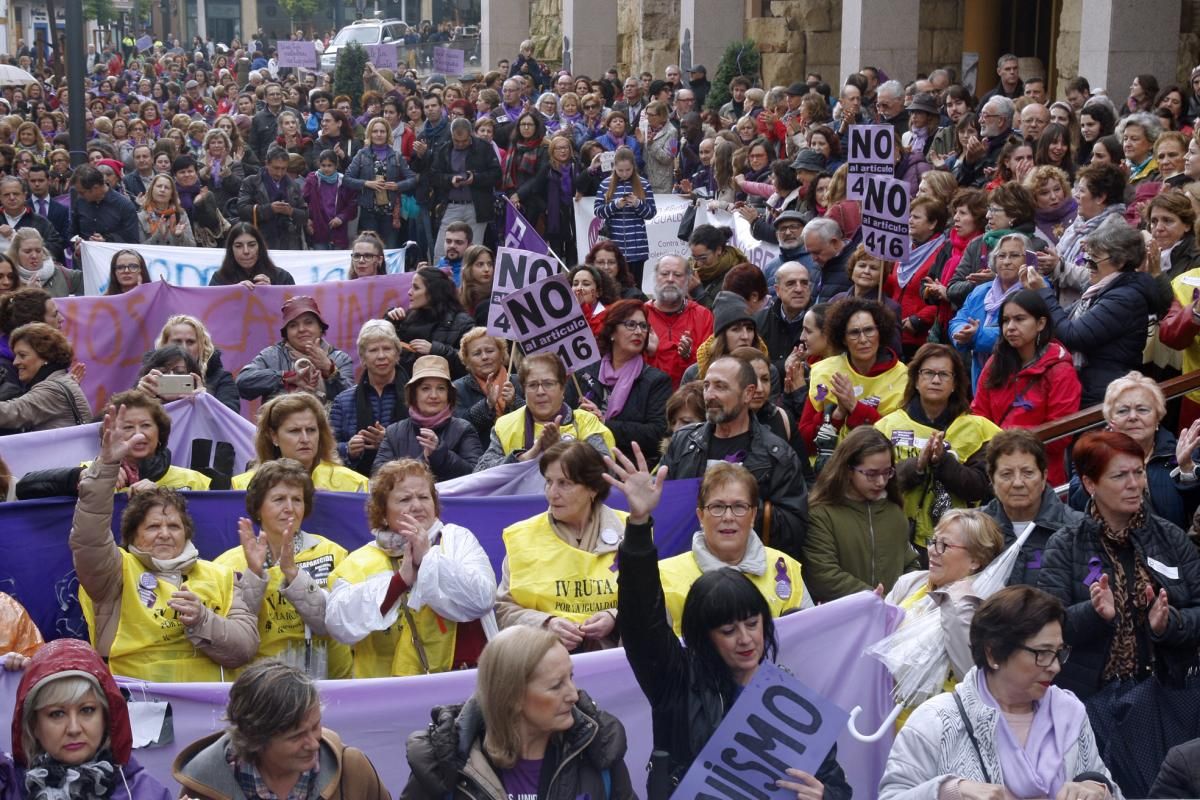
(783, 581)
(1094, 571)
(1035, 562)
(616, 564)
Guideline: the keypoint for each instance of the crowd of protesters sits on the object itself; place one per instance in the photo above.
(858, 424)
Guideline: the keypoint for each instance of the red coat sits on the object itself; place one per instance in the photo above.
(1046, 390)
(912, 299)
(694, 320)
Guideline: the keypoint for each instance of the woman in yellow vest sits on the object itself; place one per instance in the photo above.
(148, 463)
(964, 542)
(941, 447)
(284, 571)
(560, 569)
(419, 598)
(861, 384)
(155, 610)
(727, 505)
(295, 426)
(527, 433)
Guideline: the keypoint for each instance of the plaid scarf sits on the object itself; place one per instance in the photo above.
(1131, 606)
(251, 782)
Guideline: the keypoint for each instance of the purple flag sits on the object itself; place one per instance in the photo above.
(519, 234)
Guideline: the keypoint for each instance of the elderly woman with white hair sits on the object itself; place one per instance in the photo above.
(1138, 133)
(361, 414)
(976, 327)
(1135, 405)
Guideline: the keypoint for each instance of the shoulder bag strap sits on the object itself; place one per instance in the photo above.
(962, 712)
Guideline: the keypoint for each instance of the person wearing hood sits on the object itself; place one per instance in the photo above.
(71, 735)
(1106, 328)
(419, 598)
(1016, 464)
(726, 506)
(275, 746)
(527, 731)
(302, 361)
(155, 610)
(712, 257)
(940, 445)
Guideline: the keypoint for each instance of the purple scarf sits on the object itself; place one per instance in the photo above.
(565, 186)
(1053, 222)
(995, 298)
(187, 195)
(275, 191)
(906, 269)
(620, 381)
(513, 113)
(1037, 769)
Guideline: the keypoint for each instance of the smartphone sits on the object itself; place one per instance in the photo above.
(1031, 259)
(176, 384)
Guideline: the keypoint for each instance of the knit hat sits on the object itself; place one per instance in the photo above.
(113, 164)
(729, 309)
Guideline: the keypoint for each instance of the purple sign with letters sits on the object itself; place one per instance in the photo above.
(871, 151)
(885, 218)
(515, 269)
(776, 724)
(546, 317)
(448, 60)
(296, 54)
(382, 56)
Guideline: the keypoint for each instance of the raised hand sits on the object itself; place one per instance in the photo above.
(1102, 599)
(115, 440)
(287, 558)
(641, 489)
(1189, 440)
(254, 547)
(806, 786)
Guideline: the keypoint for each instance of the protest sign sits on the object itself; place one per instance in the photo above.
(662, 232)
(606, 160)
(757, 252)
(776, 724)
(546, 317)
(296, 54)
(515, 269)
(448, 60)
(871, 152)
(382, 56)
(885, 218)
(194, 266)
(144, 43)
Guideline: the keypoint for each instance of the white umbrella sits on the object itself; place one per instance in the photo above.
(14, 76)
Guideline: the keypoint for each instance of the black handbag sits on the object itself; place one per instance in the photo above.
(687, 223)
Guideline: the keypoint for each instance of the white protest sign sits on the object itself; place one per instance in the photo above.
(606, 160)
(871, 152)
(757, 252)
(661, 232)
(296, 54)
(546, 317)
(448, 60)
(382, 56)
(515, 269)
(885, 218)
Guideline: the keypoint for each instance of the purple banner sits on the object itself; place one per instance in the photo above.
(519, 234)
(823, 647)
(111, 334)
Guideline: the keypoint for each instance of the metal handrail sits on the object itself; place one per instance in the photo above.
(1093, 416)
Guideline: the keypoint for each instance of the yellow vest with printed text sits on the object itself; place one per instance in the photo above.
(780, 585)
(510, 429)
(965, 436)
(151, 643)
(177, 478)
(327, 476)
(547, 574)
(280, 628)
(392, 652)
(884, 391)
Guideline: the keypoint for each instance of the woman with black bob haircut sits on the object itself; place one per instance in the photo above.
(248, 262)
(434, 322)
(691, 687)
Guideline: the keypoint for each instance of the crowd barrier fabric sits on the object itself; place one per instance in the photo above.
(193, 266)
(822, 646)
(662, 232)
(111, 334)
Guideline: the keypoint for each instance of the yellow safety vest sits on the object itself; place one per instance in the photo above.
(1183, 293)
(151, 644)
(547, 574)
(884, 391)
(965, 436)
(510, 429)
(177, 478)
(392, 652)
(327, 476)
(279, 625)
(780, 585)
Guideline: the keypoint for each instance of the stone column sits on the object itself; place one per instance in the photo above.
(589, 31)
(880, 33)
(504, 24)
(1122, 38)
(249, 19)
(705, 27)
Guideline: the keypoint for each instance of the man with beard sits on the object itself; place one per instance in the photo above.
(731, 433)
(677, 324)
(980, 154)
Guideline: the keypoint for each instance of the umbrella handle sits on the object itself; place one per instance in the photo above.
(883, 728)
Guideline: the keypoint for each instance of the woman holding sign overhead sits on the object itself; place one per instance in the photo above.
(727, 627)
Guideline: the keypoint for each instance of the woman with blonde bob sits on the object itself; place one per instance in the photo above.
(439, 580)
(525, 724)
(295, 426)
(487, 391)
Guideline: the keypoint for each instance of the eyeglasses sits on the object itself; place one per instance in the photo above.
(634, 326)
(719, 509)
(363, 256)
(1043, 658)
(935, 375)
(938, 546)
(876, 474)
(862, 333)
(541, 386)
(1090, 262)
(590, 107)
(128, 268)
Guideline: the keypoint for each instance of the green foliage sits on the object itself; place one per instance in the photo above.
(348, 76)
(740, 58)
(300, 10)
(101, 11)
